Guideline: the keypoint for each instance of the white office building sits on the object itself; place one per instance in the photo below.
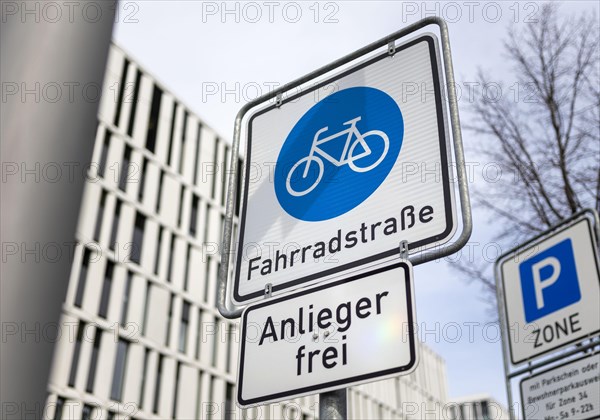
(477, 407)
(141, 337)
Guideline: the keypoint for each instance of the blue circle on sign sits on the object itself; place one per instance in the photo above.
(338, 153)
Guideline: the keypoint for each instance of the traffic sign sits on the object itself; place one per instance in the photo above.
(337, 175)
(568, 391)
(551, 291)
(338, 334)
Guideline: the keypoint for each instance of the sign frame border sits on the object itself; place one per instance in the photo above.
(574, 360)
(444, 144)
(224, 305)
(340, 383)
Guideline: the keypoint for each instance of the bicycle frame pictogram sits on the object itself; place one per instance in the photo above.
(348, 155)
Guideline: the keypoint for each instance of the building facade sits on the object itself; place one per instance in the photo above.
(141, 337)
(477, 407)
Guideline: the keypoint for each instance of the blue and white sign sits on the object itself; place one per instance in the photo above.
(552, 292)
(332, 148)
(549, 281)
(340, 173)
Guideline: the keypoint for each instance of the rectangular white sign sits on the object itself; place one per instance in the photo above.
(345, 332)
(569, 391)
(339, 174)
(552, 292)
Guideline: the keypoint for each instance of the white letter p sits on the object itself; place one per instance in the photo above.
(540, 284)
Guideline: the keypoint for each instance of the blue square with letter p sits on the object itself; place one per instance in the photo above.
(549, 281)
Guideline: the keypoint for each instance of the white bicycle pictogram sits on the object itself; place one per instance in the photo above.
(348, 155)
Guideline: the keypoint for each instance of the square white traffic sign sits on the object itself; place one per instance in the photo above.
(337, 334)
(339, 174)
(551, 292)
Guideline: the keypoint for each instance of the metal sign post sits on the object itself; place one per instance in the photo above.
(547, 293)
(373, 143)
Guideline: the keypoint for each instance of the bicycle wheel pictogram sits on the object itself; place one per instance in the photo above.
(305, 169)
(369, 142)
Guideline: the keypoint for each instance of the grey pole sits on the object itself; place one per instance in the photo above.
(332, 405)
(503, 342)
(54, 56)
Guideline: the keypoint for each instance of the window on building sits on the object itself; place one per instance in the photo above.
(217, 171)
(153, 119)
(197, 157)
(176, 391)
(183, 137)
(215, 342)
(171, 257)
(198, 334)
(207, 278)
(207, 222)
(142, 179)
(462, 411)
(138, 238)
(94, 361)
(229, 344)
(211, 387)
(158, 247)
(99, 214)
(169, 320)
(136, 93)
(116, 389)
(144, 374)
(106, 287)
(58, 411)
(82, 277)
(125, 298)
(485, 411)
(121, 92)
(229, 413)
(194, 215)
(183, 329)
(223, 174)
(145, 312)
(125, 166)
(157, 384)
(186, 274)
(86, 413)
(199, 392)
(171, 135)
(160, 187)
(76, 354)
(104, 153)
(181, 196)
(290, 412)
(222, 228)
(115, 225)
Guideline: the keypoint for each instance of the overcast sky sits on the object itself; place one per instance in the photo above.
(216, 56)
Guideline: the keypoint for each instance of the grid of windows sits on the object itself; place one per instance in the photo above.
(143, 285)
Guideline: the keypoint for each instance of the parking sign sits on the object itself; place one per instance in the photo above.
(551, 291)
(549, 281)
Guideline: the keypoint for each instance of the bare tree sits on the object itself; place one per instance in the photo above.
(547, 134)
